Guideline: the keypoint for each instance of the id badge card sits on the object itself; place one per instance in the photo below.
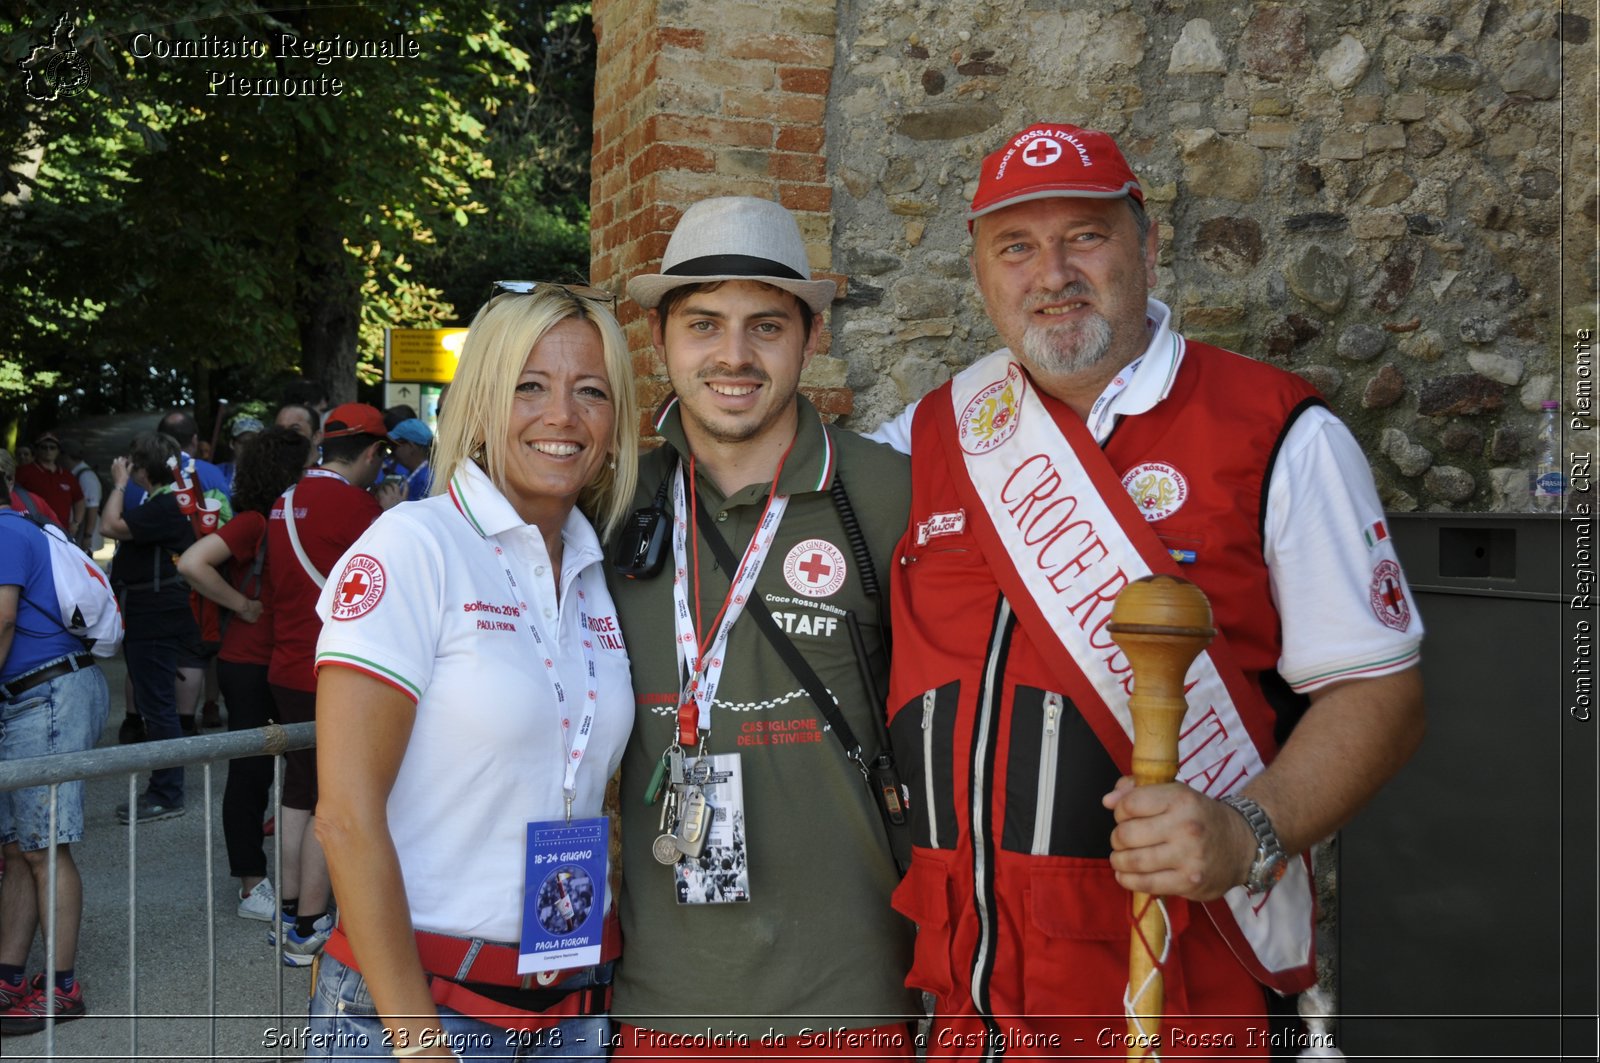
(721, 873)
(564, 894)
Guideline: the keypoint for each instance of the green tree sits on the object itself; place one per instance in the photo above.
(173, 232)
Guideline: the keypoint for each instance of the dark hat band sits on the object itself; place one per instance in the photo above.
(732, 266)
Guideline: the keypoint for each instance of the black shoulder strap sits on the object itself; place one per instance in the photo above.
(756, 610)
(881, 777)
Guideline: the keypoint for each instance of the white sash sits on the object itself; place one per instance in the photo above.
(1062, 537)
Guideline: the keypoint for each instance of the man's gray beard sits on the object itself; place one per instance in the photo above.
(1061, 350)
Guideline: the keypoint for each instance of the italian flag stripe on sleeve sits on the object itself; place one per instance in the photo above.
(1376, 534)
(386, 676)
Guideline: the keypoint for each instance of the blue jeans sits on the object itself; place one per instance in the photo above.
(65, 715)
(345, 1025)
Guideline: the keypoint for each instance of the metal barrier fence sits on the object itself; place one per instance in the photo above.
(52, 771)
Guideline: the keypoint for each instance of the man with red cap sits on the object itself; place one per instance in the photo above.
(1099, 446)
(51, 481)
(309, 529)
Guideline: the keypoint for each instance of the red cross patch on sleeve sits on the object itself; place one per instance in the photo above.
(1388, 597)
(359, 589)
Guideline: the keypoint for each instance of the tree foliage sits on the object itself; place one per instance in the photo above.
(171, 233)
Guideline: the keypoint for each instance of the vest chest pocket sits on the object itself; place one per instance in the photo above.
(923, 733)
(1056, 773)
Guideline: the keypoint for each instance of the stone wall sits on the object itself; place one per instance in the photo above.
(1367, 193)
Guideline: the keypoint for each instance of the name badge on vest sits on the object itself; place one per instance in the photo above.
(720, 872)
(564, 894)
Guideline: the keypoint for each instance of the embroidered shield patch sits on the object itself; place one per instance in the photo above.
(1158, 489)
(814, 568)
(360, 587)
(991, 417)
(1388, 597)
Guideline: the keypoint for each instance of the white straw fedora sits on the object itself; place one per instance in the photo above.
(735, 238)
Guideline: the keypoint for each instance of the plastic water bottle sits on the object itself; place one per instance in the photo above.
(1549, 477)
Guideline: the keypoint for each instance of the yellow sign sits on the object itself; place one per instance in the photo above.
(422, 355)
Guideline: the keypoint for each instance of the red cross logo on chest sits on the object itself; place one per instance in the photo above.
(354, 588)
(1042, 153)
(816, 568)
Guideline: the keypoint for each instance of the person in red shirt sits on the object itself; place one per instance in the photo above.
(230, 568)
(309, 529)
(55, 485)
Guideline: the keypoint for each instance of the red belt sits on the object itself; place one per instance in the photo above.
(449, 961)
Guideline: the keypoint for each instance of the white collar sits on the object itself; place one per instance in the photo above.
(1148, 378)
(492, 515)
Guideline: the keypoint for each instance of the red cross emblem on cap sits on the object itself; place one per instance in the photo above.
(1042, 152)
(815, 568)
(354, 588)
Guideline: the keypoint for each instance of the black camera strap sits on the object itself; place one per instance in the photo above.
(882, 781)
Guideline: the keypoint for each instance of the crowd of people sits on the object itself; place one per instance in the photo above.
(197, 606)
(872, 734)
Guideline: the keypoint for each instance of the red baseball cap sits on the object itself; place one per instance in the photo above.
(1049, 160)
(353, 419)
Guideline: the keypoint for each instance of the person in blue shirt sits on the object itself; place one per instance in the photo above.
(412, 440)
(53, 699)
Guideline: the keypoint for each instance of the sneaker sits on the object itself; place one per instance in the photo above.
(28, 1016)
(131, 731)
(69, 1006)
(151, 809)
(15, 1018)
(301, 951)
(260, 903)
(210, 715)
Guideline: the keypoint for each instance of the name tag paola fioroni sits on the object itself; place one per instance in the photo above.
(563, 896)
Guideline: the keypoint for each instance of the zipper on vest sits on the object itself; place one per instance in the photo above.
(987, 728)
(1049, 745)
(928, 702)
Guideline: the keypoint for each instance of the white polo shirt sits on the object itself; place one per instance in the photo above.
(1324, 529)
(422, 602)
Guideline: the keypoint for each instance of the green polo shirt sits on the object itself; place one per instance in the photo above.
(817, 944)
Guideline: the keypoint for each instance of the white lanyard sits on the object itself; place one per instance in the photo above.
(705, 669)
(573, 744)
(1100, 418)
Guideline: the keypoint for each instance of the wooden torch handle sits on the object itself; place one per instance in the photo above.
(1161, 623)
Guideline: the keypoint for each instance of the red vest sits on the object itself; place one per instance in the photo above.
(1018, 910)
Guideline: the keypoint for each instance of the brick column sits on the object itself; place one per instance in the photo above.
(702, 98)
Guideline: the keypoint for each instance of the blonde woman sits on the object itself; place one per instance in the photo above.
(469, 683)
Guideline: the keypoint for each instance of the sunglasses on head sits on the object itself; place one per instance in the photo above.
(577, 291)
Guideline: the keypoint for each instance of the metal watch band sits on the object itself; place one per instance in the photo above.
(1270, 859)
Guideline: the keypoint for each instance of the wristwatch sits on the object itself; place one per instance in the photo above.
(1271, 861)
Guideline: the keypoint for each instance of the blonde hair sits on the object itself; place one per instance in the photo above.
(477, 413)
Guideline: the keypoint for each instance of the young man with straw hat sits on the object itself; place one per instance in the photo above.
(757, 859)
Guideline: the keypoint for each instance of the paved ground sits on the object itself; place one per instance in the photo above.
(160, 1006)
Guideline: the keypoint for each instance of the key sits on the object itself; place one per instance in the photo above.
(694, 823)
(669, 818)
(675, 764)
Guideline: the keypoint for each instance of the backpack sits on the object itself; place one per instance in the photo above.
(83, 594)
